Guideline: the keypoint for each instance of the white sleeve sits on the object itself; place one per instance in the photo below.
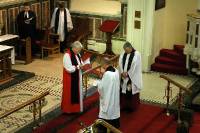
(69, 21)
(68, 64)
(103, 84)
(53, 18)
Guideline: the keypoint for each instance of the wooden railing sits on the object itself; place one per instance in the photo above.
(93, 127)
(182, 89)
(37, 102)
(85, 74)
(97, 53)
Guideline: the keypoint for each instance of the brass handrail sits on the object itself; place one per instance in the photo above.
(94, 128)
(97, 53)
(33, 100)
(176, 84)
(180, 95)
(107, 125)
(89, 70)
(85, 74)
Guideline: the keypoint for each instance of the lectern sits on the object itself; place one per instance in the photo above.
(109, 27)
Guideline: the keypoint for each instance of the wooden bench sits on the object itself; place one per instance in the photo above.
(52, 46)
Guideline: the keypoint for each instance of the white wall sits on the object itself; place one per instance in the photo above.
(170, 24)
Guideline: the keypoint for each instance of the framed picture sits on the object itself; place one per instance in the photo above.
(159, 4)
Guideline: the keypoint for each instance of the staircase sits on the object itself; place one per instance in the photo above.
(171, 61)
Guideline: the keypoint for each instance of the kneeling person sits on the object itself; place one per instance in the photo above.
(109, 90)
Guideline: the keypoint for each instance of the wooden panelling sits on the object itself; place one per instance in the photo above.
(9, 13)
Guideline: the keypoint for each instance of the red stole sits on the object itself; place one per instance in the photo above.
(68, 105)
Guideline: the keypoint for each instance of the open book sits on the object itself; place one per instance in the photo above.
(87, 61)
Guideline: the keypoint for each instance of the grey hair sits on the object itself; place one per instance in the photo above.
(76, 44)
(127, 45)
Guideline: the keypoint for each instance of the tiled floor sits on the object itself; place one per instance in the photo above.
(51, 66)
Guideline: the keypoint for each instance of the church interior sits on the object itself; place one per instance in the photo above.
(165, 32)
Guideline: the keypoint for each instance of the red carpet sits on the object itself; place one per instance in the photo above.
(149, 119)
(196, 123)
(171, 61)
(65, 118)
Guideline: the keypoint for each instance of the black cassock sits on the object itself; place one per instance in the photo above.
(26, 29)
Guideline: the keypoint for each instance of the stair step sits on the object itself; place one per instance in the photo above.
(169, 61)
(195, 128)
(149, 112)
(171, 128)
(172, 54)
(179, 48)
(196, 123)
(168, 68)
(161, 123)
(197, 118)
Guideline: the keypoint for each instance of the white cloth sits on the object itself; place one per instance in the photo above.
(5, 38)
(4, 47)
(67, 64)
(109, 90)
(26, 15)
(61, 31)
(135, 72)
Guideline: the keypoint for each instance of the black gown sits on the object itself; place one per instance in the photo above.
(26, 30)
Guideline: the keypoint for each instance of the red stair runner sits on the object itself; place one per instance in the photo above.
(168, 68)
(147, 119)
(179, 48)
(171, 61)
(196, 123)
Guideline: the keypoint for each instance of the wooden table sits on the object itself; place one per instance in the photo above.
(5, 62)
(110, 27)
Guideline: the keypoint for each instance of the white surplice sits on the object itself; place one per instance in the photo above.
(61, 28)
(109, 91)
(135, 72)
(71, 68)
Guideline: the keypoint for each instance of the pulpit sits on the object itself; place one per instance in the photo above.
(109, 27)
(5, 62)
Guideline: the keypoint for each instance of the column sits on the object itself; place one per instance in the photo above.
(140, 18)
